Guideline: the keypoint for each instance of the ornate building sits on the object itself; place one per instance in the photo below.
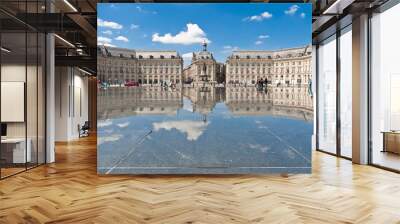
(203, 68)
(280, 67)
(118, 65)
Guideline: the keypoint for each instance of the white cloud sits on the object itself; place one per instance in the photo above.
(109, 24)
(193, 129)
(140, 9)
(302, 15)
(108, 32)
(122, 38)
(258, 42)
(134, 26)
(192, 35)
(106, 44)
(263, 36)
(292, 10)
(187, 55)
(227, 49)
(123, 125)
(104, 41)
(258, 18)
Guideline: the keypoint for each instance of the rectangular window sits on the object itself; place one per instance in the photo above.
(385, 89)
(346, 92)
(327, 95)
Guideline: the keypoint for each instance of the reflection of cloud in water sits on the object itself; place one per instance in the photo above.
(262, 148)
(258, 122)
(193, 129)
(187, 105)
(290, 153)
(104, 123)
(123, 125)
(109, 138)
(108, 131)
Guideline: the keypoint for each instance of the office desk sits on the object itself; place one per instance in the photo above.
(391, 141)
(16, 147)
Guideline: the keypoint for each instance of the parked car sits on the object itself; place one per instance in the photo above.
(131, 83)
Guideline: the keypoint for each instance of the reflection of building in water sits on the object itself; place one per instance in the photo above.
(118, 65)
(291, 101)
(119, 102)
(286, 66)
(204, 98)
(203, 68)
(281, 101)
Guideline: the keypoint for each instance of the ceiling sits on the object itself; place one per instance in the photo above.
(75, 22)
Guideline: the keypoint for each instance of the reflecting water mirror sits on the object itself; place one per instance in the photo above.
(204, 129)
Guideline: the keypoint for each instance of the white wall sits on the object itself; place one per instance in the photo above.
(71, 87)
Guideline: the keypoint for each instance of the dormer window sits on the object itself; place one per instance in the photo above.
(172, 56)
(162, 56)
(132, 56)
(258, 57)
(151, 57)
(121, 56)
(140, 57)
(237, 57)
(248, 57)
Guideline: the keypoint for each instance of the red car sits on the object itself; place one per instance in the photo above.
(131, 83)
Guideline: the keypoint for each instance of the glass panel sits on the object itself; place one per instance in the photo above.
(346, 92)
(31, 98)
(385, 114)
(41, 99)
(327, 95)
(13, 87)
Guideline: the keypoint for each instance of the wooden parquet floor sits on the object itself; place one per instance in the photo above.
(70, 191)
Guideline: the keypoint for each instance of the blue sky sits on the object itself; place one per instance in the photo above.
(183, 27)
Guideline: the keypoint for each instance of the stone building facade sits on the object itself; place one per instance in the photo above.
(280, 67)
(118, 65)
(203, 68)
